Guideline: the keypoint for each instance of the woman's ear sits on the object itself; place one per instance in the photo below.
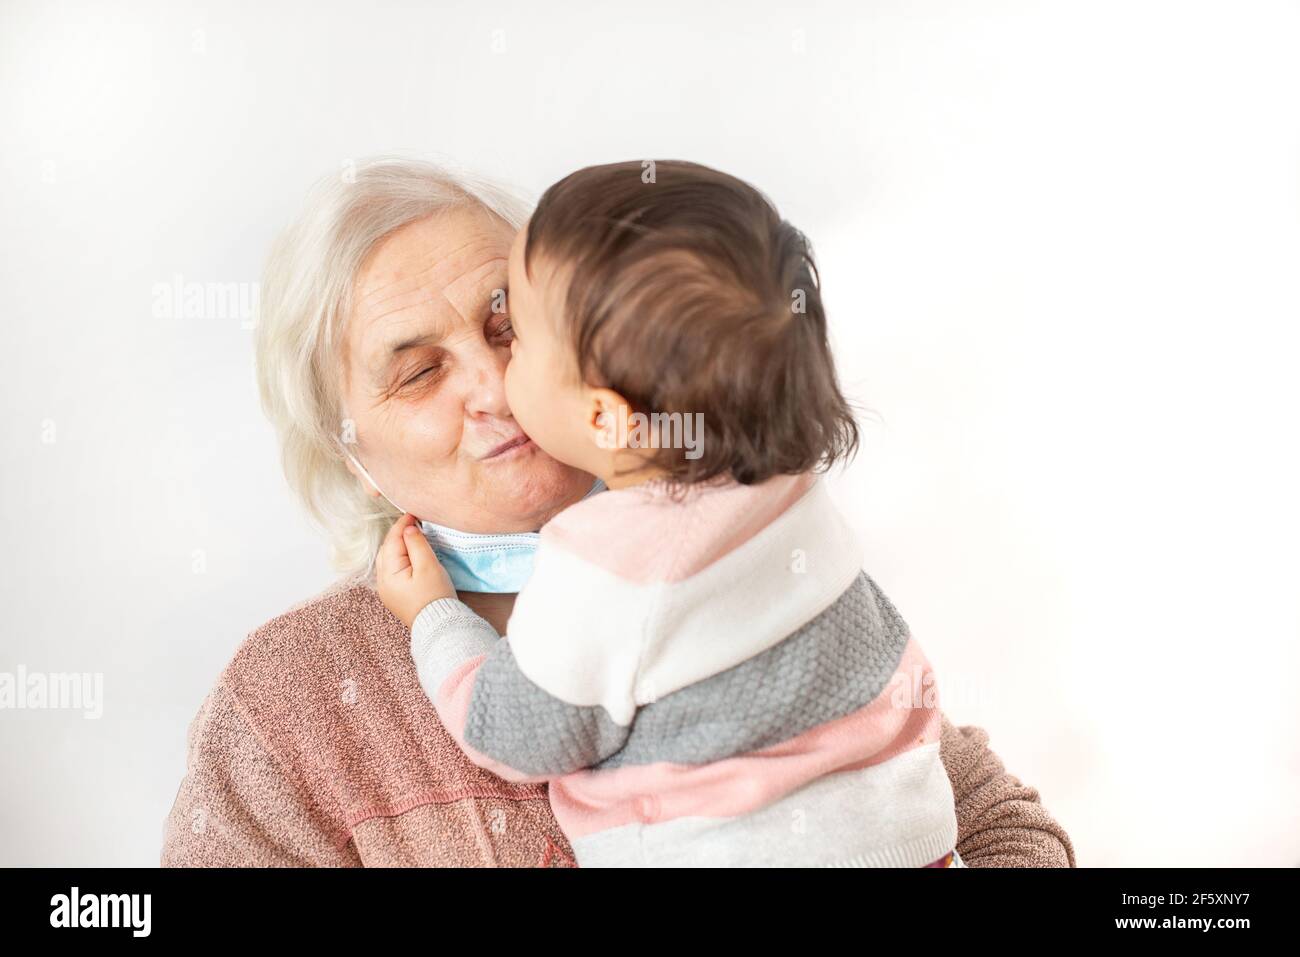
(367, 486)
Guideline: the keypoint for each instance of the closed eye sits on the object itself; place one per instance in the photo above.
(421, 375)
(503, 330)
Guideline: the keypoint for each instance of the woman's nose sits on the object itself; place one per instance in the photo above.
(485, 384)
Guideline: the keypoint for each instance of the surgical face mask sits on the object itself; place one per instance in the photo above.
(475, 562)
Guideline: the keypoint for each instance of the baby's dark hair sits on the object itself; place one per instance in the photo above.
(688, 293)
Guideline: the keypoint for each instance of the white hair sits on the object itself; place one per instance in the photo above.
(305, 301)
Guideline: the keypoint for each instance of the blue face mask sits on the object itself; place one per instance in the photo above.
(499, 563)
(490, 563)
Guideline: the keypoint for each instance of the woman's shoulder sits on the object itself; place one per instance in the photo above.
(347, 598)
(248, 796)
(292, 682)
(289, 677)
(345, 612)
(298, 679)
(322, 709)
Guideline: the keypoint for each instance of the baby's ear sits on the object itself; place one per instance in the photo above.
(608, 418)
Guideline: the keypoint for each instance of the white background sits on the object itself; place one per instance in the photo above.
(1059, 246)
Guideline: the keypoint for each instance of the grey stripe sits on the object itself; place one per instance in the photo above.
(514, 721)
(836, 664)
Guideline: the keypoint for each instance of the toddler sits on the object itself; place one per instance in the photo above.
(698, 666)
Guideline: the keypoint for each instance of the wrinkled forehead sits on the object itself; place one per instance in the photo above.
(422, 281)
(541, 283)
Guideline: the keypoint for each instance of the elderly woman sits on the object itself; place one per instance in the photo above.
(381, 351)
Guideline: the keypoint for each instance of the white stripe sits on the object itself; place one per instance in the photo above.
(899, 813)
(591, 638)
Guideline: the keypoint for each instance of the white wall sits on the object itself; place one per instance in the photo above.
(1059, 244)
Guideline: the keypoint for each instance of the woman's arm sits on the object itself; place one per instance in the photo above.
(1000, 822)
(236, 808)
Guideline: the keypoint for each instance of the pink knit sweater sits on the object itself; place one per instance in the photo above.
(318, 747)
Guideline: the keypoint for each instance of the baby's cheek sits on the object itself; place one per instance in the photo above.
(514, 385)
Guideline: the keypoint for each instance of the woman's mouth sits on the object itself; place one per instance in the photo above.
(518, 444)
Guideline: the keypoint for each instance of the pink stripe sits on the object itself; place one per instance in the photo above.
(591, 801)
(452, 702)
(711, 521)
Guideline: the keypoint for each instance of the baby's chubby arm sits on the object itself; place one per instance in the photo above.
(500, 718)
(407, 575)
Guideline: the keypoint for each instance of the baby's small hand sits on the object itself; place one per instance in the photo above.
(407, 573)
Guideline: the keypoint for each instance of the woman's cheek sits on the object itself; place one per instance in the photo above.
(435, 431)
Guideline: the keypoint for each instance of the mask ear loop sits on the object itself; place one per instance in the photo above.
(375, 485)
